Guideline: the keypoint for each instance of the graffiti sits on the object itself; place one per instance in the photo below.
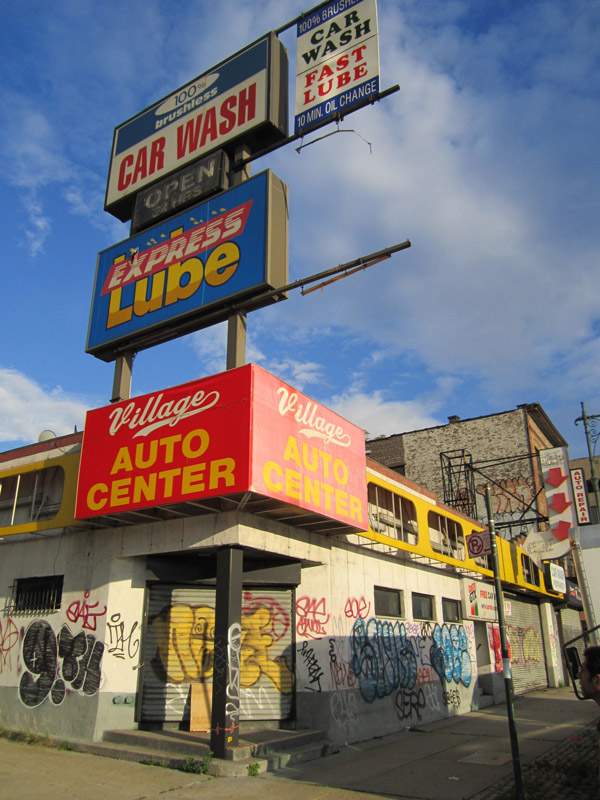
(450, 654)
(255, 700)
(426, 675)
(343, 710)
(82, 610)
(409, 704)
(232, 706)
(357, 608)
(315, 673)
(51, 662)
(342, 674)
(312, 617)
(526, 645)
(279, 618)
(451, 698)
(9, 636)
(385, 658)
(509, 496)
(186, 647)
(119, 642)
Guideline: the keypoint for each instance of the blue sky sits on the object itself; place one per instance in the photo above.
(487, 159)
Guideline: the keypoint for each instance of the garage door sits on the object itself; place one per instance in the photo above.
(524, 629)
(179, 650)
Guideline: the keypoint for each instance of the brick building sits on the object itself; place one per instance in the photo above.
(459, 459)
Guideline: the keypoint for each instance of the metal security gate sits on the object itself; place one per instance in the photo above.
(179, 650)
(527, 658)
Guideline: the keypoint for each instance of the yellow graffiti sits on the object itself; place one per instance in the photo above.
(185, 642)
(185, 647)
(255, 659)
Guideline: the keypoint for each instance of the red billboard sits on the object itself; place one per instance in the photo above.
(242, 430)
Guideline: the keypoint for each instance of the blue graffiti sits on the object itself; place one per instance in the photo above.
(385, 658)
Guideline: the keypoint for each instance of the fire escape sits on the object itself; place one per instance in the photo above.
(458, 478)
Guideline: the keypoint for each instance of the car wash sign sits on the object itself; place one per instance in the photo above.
(337, 60)
(243, 98)
(183, 274)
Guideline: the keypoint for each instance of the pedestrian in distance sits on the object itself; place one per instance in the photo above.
(589, 677)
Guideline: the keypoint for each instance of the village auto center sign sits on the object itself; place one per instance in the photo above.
(244, 97)
(242, 430)
(181, 274)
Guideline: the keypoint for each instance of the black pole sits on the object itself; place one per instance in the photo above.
(226, 675)
(508, 682)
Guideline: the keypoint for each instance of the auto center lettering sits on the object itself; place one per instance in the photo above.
(160, 485)
(306, 473)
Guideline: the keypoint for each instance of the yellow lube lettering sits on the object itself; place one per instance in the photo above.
(222, 263)
(174, 282)
(141, 304)
(116, 314)
(175, 290)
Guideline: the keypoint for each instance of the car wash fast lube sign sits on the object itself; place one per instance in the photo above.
(337, 60)
(243, 98)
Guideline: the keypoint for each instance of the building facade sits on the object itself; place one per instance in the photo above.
(109, 621)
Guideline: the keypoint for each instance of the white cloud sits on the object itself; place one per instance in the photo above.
(26, 408)
(379, 416)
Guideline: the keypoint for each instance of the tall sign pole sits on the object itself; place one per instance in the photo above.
(508, 683)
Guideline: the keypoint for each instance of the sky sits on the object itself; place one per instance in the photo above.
(486, 159)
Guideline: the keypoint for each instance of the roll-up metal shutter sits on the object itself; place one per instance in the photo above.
(179, 649)
(570, 628)
(527, 659)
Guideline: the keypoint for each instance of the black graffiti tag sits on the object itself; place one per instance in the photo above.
(42, 653)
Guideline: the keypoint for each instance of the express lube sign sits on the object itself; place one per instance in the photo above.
(243, 430)
(244, 97)
(181, 274)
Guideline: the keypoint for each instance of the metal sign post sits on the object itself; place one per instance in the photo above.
(508, 683)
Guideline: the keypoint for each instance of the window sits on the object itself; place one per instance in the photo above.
(422, 606)
(531, 572)
(31, 496)
(37, 595)
(451, 610)
(388, 602)
(392, 514)
(446, 536)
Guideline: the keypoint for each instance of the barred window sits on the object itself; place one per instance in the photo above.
(531, 572)
(31, 496)
(446, 536)
(392, 514)
(37, 595)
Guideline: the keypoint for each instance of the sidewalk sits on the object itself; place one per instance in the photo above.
(462, 758)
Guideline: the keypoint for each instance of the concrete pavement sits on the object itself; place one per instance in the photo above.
(454, 759)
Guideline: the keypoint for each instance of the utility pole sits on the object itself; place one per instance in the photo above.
(594, 434)
(508, 682)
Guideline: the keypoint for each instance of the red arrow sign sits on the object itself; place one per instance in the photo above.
(556, 477)
(560, 503)
(561, 531)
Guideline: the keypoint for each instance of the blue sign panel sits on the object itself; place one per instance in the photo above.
(181, 274)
